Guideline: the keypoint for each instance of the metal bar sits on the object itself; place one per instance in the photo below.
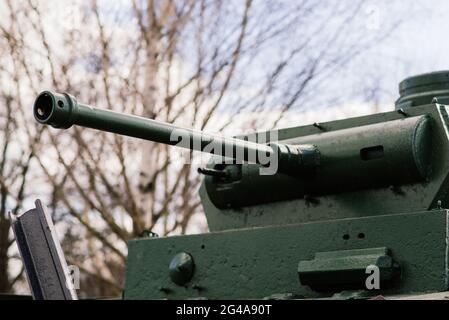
(63, 111)
(46, 268)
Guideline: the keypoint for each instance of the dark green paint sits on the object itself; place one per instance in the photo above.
(346, 165)
(259, 262)
(399, 197)
(181, 268)
(63, 110)
(424, 89)
(345, 189)
(347, 268)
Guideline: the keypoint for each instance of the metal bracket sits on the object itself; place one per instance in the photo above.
(347, 268)
(46, 268)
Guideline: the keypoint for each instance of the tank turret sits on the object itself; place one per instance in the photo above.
(348, 199)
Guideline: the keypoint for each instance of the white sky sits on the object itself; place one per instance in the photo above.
(418, 45)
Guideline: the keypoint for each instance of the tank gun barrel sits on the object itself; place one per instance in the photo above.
(63, 110)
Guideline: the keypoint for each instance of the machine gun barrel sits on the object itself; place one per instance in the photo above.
(63, 111)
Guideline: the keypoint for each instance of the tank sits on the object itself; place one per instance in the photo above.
(346, 208)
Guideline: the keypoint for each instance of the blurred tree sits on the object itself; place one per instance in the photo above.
(215, 65)
(14, 182)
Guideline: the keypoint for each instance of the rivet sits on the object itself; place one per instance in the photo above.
(181, 268)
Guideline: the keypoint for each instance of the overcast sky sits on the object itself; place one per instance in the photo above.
(422, 37)
(420, 43)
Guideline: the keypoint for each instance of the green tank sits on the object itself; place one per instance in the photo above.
(346, 208)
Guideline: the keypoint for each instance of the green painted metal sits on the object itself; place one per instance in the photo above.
(351, 192)
(347, 268)
(63, 110)
(181, 268)
(259, 262)
(388, 199)
(357, 158)
(423, 89)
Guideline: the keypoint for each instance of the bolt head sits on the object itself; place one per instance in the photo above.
(181, 268)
